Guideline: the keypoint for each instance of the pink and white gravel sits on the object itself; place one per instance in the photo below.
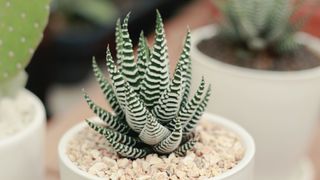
(217, 151)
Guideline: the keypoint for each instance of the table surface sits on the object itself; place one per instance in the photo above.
(194, 15)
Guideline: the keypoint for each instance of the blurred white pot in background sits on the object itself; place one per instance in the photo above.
(22, 154)
(279, 109)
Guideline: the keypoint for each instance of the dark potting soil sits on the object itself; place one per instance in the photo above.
(301, 59)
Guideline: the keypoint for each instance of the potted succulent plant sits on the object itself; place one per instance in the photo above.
(152, 131)
(22, 115)
(266, 77)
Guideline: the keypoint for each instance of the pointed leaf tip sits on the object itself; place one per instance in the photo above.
(159, 17)
(141, 34)
(118, 21)
(126, 19)
(188, 30)
(128, 14)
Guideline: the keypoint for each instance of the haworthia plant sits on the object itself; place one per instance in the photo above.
(21, 27)
(151, 112)
(260, 25)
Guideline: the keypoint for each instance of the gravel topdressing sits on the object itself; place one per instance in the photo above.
(16, 114)
(217, 151)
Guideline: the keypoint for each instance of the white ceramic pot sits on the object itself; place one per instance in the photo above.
(243, 171)
(22, 154)
(279, 109)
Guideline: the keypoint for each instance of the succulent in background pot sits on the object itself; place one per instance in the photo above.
(22, 116)
(152, 131)
(266, 77)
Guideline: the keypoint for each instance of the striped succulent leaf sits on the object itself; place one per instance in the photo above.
(152, 112)
(107, 89)
(185, 62)
(130, 151)
(259, 25)
(113, 135)
(129, 68)
(171, 142)
(136, 112)
(188, 110)
(189, 126)
(156, 78)
(119, 43)
(143, 56)
(113, 122)
(180, 151)
(117, 79)
(169, 102)
(153, 132)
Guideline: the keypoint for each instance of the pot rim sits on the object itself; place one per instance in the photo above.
(211, 30)
(37, 120)
(245, 137)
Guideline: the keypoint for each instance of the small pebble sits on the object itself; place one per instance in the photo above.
(160, 176)
(97, 168)
(145, 177)
(181, 174)
(123, 163)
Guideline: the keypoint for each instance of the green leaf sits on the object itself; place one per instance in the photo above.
(172, 142)
(169, 103)
(118, 81)
(278, 19)
(153, 132)
(21, 28)
(187, 111)
(143, 56)
(113, 136)
(287, 44)
(129, 67)
(136, 111)
(182, 150)
(129, 151)
(157, 74)
(191, 124)
(113, 122)
(185, 63)
(119, 43)
(107, 89)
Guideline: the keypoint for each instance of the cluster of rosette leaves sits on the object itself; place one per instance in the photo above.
(261, 25)
(152, 113)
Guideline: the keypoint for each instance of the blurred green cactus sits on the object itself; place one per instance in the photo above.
(21, 26)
